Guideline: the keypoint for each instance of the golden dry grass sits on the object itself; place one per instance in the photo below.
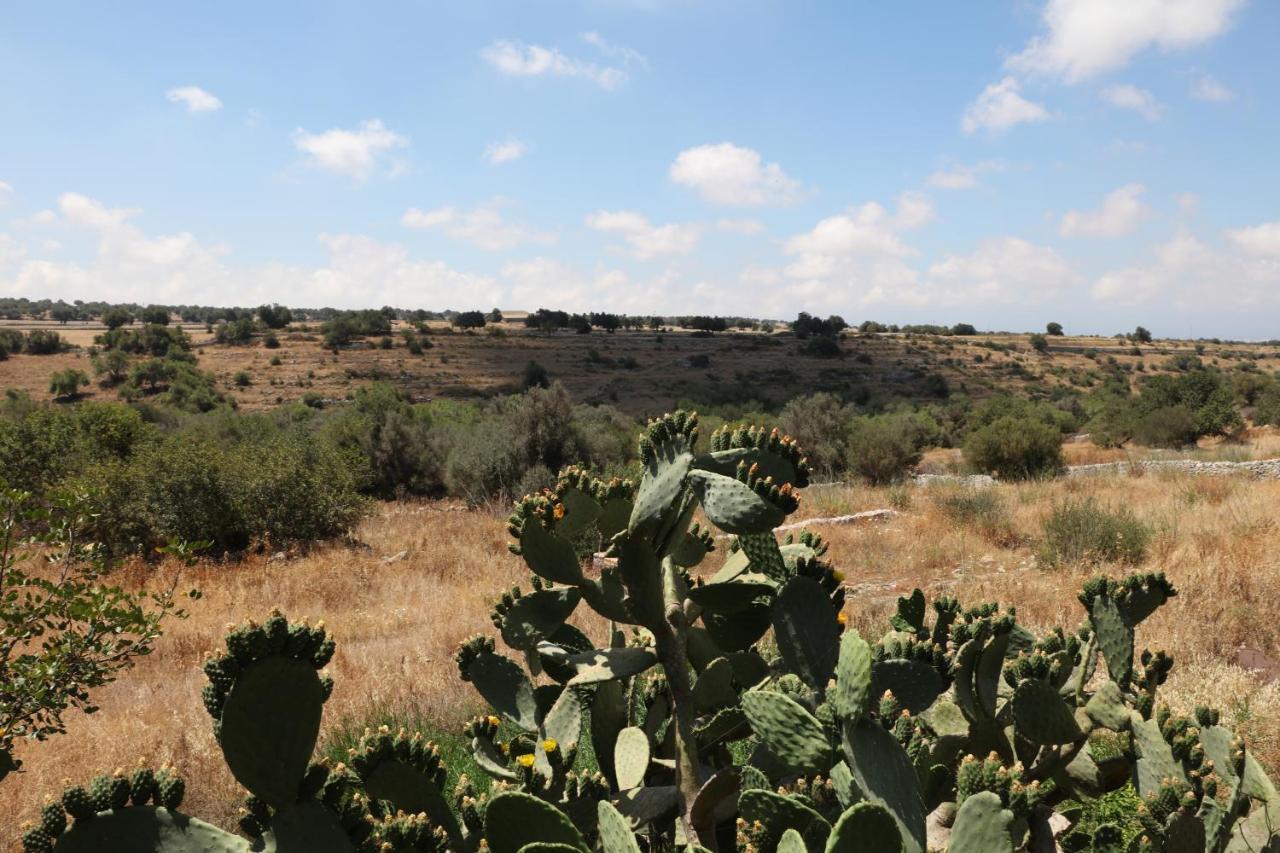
(397, 623)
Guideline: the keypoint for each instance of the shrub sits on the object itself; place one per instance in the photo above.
(482, 462)
(881, 450)
(90, 630)
(535, 376)
(67, 383)
(1015, 447)
(1039, 343)
(822, 346)
(242, 379)
(43, 342)
(822, 422)
(112, 366)
(1085, 532)
(114, 318)
(1267, 409)
(271, 341)
(1170, 426)
(981, 509)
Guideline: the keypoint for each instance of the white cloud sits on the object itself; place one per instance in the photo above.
(868, 229)
(1121, 212)
(1188, 203)
(195, 99)
(1000, 107)
(1001, 269)
(1129, 97)
(357, 153)
(1204, 284)
(745, 227)
(729, 174)
(628, 56)
(1260, 240)
(496, 153)
(482, 227)
(647, 240)
(518, 59)
(963, 177)
(1086, 38)
(6, 190)
(1209, 89)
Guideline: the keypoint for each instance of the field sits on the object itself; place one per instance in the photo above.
(423, 577)
(644, 373)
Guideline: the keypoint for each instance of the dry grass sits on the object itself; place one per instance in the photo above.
(397, 623)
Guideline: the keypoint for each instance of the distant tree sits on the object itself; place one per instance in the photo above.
(1053, 329)
(1141, 335)
(495, 316)
(963, 329)
(274, 316)
(114, 318)
(64, 313)
(1039, 343)
(156, 315)
(469, 320)
(112, 365)
(535, 376)
(43, 342)
(67, 383)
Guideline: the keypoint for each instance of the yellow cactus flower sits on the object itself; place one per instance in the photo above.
(525, 760)
(842, 618)
(493, 721)
(550, 745)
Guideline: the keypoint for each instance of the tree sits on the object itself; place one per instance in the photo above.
(155, 315)
(882, 450)
(67, 383)
(469, 320)
(114, 318)
(535, 376)
(1141, 335)
(963, 329)
(64, 313)
(112, 365)
(1039, 343)
(275, 316)
(88, 631)
(495, 316)
(1053, 329)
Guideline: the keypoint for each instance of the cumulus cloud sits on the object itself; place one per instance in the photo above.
(1260, 240)
(730, 174)
(745, 227)
(1239, 290)
(1121, 212)
(482, 227)
(517, 59)
(1001, 106)
(964, 177)
(1001, 269)
(1129, 97)
(1209, 89)
(1086, 38)
(357, 153)
(195, 99)
(497, 153)
(868, 229)
(645, 239)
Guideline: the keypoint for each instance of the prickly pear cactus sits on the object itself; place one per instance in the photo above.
(727, 707)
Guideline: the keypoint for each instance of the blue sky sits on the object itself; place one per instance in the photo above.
(1100, 164)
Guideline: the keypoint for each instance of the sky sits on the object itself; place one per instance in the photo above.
(1093, 163)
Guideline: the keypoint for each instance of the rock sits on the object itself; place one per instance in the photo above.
(397, 557)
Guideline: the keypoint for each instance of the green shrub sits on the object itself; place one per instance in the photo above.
(821, 422)
(1015, 447)
(1085, 532)
(44, 342)
(67, 383)
(1039, 343)
(242, 379)
(1170, 426)
(881, 450)
(535, 376)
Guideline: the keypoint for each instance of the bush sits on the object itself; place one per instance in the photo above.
(881, 450)
(980, 509)
(535, 376)
(1084, 532)
(43, 342)
(270, 341)
(1039, 343)
(482, 463)
(67, 383)
(821, 423)
(1170, 426)
(1053, 329)
(242, 379)
(1015, 447)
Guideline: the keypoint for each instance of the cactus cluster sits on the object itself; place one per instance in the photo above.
(726, 708)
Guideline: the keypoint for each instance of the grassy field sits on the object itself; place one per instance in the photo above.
(397, 618)
(648, 372)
